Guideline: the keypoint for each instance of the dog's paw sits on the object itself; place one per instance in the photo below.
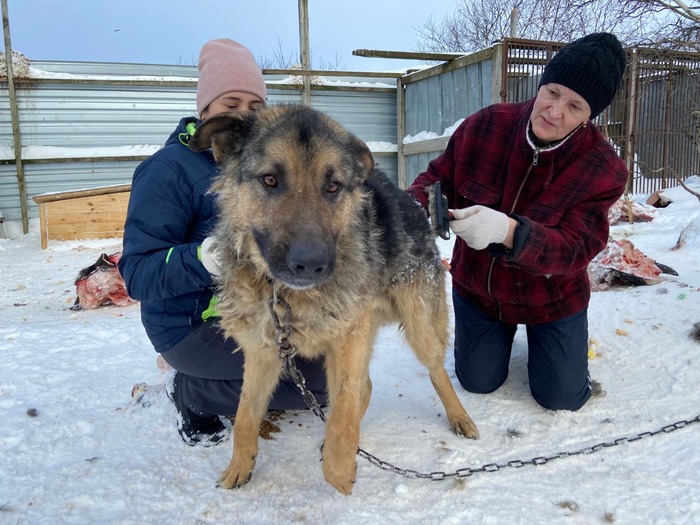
(341, 478)
(464, 426)
(339, 470)
(236, 474)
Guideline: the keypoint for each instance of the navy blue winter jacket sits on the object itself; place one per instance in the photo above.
(169, 215)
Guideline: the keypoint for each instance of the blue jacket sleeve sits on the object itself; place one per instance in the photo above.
(165, 224)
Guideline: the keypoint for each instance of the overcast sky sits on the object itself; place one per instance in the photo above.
(173, 31)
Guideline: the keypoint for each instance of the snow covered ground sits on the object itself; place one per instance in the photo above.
(77, 449)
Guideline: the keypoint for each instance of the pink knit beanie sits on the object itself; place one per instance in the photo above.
(225, 65)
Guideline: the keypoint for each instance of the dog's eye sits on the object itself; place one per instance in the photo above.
(270, 181)
(333, 187)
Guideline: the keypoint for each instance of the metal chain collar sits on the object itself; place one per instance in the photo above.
(288, 351)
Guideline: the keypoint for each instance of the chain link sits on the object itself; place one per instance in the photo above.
(288, 351)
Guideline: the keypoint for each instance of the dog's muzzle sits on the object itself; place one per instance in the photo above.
(303, 263)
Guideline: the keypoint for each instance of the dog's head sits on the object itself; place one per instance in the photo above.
(291, 185)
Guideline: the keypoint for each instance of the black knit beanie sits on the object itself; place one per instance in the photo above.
(592, 66)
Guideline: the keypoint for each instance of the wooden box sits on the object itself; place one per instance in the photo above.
(97, 213)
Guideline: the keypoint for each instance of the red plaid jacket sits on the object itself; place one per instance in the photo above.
(560, 197)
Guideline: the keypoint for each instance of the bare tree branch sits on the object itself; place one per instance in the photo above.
(477, 24)
(679, 8)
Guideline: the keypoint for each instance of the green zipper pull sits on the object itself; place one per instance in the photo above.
(184, 138)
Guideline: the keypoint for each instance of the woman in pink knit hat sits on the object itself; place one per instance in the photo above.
(167, 261)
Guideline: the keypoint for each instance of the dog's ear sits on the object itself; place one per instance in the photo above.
(364, 156)
(224, 133)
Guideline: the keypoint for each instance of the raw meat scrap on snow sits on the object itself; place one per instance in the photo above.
(620, 263)
(101, 284)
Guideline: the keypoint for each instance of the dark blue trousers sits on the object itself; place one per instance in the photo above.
(213, 375)
(557, 355)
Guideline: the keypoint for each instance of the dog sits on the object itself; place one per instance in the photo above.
(306, 220)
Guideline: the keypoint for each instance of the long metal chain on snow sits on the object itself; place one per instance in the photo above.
(288, 351)
(540, 460)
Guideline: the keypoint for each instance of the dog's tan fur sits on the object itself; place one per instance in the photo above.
(298, 190)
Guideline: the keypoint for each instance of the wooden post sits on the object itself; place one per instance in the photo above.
(14, 112)
(499, 81)
(304, 50)
(631, 103)
(401, 133)
(514, 23)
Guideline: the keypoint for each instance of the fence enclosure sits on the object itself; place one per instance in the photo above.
(87, 125)
(654, 121)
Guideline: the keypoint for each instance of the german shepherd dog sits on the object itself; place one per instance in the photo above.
(305, 216)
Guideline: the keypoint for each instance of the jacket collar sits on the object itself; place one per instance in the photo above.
(551, 146)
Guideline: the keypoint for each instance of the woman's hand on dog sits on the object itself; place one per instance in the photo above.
(209, 255)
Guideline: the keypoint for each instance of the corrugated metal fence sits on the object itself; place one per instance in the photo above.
(433, 100)
(87, 125)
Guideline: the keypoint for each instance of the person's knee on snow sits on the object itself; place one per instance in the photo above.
(482, 348)
(477, 379)
(559, 394)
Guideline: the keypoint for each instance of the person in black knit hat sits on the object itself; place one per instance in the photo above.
(530, 185)
(591, 66)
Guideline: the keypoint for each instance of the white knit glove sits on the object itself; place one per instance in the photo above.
(209, 256)
(480, 226)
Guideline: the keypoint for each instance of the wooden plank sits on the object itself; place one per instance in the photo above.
(65, 195)
(426, 146)
(409, 55)
(445, 67)
(92, 204)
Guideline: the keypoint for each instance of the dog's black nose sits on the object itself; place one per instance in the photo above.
(308, 260)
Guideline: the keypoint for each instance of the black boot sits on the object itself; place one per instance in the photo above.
(195, 429)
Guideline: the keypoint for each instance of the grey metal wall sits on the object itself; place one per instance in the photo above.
(437, 102)
(370, 116)
(437, 98)
(100, 105)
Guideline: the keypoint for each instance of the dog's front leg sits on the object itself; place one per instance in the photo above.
(349, 388)
(260, 377)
